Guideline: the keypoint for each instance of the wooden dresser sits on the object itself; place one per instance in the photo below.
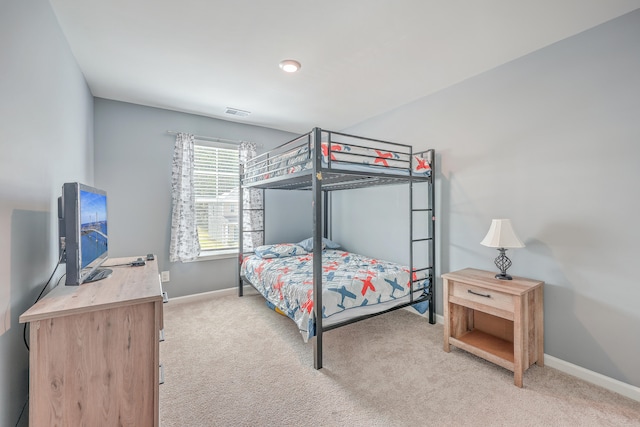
(94, 351)
(498, 320)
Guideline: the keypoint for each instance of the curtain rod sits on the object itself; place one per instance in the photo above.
(214, 139)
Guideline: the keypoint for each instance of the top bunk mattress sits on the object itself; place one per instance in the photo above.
(346, 155)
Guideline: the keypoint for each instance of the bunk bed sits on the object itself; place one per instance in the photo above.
(309, 282)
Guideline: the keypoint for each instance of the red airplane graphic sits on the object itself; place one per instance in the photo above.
(334, 147)
(422, 164)
(308, 304)
(331, 267)
(258, 270)
(305, 258)
(366, 284)
(278, 286)
(414, 276)
(382, 156)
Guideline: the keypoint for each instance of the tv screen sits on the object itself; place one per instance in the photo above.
(84, 232)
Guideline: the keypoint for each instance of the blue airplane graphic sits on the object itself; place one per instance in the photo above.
(291, 311)
(394, 284)
(345, 293)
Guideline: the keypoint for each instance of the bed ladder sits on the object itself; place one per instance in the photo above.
(427, 239)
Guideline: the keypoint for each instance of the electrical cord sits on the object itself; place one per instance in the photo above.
(22, 412)
(128, 264)
(24, 331)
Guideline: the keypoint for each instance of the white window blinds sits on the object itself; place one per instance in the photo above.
(216, 180)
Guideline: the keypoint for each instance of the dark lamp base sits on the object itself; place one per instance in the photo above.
(503, 263)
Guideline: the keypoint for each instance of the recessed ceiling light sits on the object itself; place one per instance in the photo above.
(290, 66)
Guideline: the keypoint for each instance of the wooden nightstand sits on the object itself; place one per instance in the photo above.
(498, 320)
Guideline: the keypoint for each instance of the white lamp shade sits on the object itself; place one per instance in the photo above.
(501, 235)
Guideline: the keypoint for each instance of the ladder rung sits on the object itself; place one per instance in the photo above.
(421, 210)
(421, 240)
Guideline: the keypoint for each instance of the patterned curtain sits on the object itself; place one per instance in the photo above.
(184, 245)
(252, 213)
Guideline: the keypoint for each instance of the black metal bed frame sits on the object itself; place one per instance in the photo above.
(323, 179)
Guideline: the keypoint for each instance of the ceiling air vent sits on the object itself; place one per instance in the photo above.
(236, 112)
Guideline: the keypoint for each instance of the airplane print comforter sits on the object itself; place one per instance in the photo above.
(349, 281)
(357, 158)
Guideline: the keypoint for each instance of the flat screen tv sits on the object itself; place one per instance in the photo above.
(84, 238)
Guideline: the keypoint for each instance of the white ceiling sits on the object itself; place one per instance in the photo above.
(360, 58)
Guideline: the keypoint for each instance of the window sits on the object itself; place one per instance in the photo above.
(216, 182)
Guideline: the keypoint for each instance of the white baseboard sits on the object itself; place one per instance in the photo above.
(210, 294)
(603, 381)
(592, 377)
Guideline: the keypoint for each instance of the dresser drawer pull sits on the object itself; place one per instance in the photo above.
(161, 374)
(479, 294)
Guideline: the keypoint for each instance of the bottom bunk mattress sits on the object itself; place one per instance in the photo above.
(353, 285)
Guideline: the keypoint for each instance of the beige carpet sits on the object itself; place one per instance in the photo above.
(231, 361)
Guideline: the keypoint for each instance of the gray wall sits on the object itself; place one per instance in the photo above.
(550, 140)
(46, 139)
(133, 155)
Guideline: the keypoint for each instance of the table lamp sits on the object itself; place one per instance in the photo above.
(502, 237)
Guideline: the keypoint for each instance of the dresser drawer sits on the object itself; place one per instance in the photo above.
(483, 296)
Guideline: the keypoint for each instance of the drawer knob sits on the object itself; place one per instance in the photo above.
(479, 294)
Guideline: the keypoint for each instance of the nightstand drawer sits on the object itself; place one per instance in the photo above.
(483, 296)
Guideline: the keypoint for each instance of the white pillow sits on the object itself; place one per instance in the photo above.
(280, 250)
(307, 244)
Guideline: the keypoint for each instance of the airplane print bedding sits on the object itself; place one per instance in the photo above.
(343, 157)
(352, 284)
